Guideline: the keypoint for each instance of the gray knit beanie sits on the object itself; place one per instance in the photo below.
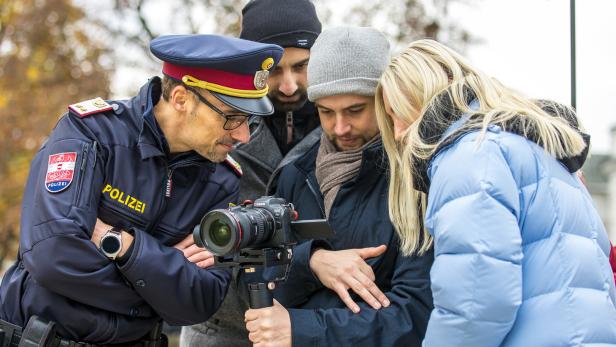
(347, 60)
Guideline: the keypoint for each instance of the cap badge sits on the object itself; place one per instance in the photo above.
(260, 80)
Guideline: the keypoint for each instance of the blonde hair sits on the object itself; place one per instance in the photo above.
(427, 78)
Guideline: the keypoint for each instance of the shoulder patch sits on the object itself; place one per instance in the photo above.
(88, 107)
(234, 165)
(60, 171)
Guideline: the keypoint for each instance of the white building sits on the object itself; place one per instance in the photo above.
(600, 175)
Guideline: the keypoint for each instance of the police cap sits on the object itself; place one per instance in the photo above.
(235, 71)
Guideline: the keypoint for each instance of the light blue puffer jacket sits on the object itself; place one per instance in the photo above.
(521, 253)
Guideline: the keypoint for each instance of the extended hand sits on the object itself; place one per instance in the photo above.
(195, 254)
(347, 269)
(269, 327)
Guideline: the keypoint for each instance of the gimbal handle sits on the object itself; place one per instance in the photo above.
(260, 295)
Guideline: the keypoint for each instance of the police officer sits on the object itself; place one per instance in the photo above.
(118, 184)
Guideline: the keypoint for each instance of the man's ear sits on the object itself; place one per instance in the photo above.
(179, 98)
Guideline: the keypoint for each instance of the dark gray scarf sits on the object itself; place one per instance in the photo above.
(333, 168)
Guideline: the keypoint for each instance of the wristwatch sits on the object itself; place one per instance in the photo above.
(111, 243)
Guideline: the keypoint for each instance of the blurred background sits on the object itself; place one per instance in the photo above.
(57, 52)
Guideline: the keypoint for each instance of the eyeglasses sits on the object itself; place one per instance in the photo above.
(232, 121)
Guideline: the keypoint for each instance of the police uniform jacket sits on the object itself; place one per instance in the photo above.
(360, 218)
(124, 176)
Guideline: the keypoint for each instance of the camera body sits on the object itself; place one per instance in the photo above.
(257, 235)
(264, 224)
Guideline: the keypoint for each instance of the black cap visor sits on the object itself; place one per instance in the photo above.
(254, 106)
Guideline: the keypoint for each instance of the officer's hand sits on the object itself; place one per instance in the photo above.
(346, 269)
(270, 326)
(195, 254)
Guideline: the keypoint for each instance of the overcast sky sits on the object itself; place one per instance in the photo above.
(527, 46)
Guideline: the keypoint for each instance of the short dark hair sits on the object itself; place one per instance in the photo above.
(168, 85)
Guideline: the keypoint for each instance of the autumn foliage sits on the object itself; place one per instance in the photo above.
(48, 59)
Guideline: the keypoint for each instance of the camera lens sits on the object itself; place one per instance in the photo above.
(220, 233)
(224, 232)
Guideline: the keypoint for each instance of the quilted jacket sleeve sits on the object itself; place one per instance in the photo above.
(473, 211)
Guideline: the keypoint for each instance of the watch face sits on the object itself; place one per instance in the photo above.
(110, 245)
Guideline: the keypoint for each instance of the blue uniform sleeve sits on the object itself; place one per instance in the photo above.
(400, 324)
(58, 252)
(180, 292)
(55, 241)
(473, 213)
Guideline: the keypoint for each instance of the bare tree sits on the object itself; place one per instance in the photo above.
(136, 22)
(133, 24)
(407, 20)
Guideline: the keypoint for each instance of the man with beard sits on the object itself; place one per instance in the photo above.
(293, 25)
(294, 127)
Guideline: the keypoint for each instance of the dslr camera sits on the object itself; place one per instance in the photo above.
(259, 234)
(265, 223)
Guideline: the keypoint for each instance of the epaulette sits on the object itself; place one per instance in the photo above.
(88, 107)
(234, 165)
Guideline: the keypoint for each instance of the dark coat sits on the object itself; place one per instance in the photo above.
(61, 275)
(360, 218)
(267, 151)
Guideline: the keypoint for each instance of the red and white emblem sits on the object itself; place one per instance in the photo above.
(60, 171)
